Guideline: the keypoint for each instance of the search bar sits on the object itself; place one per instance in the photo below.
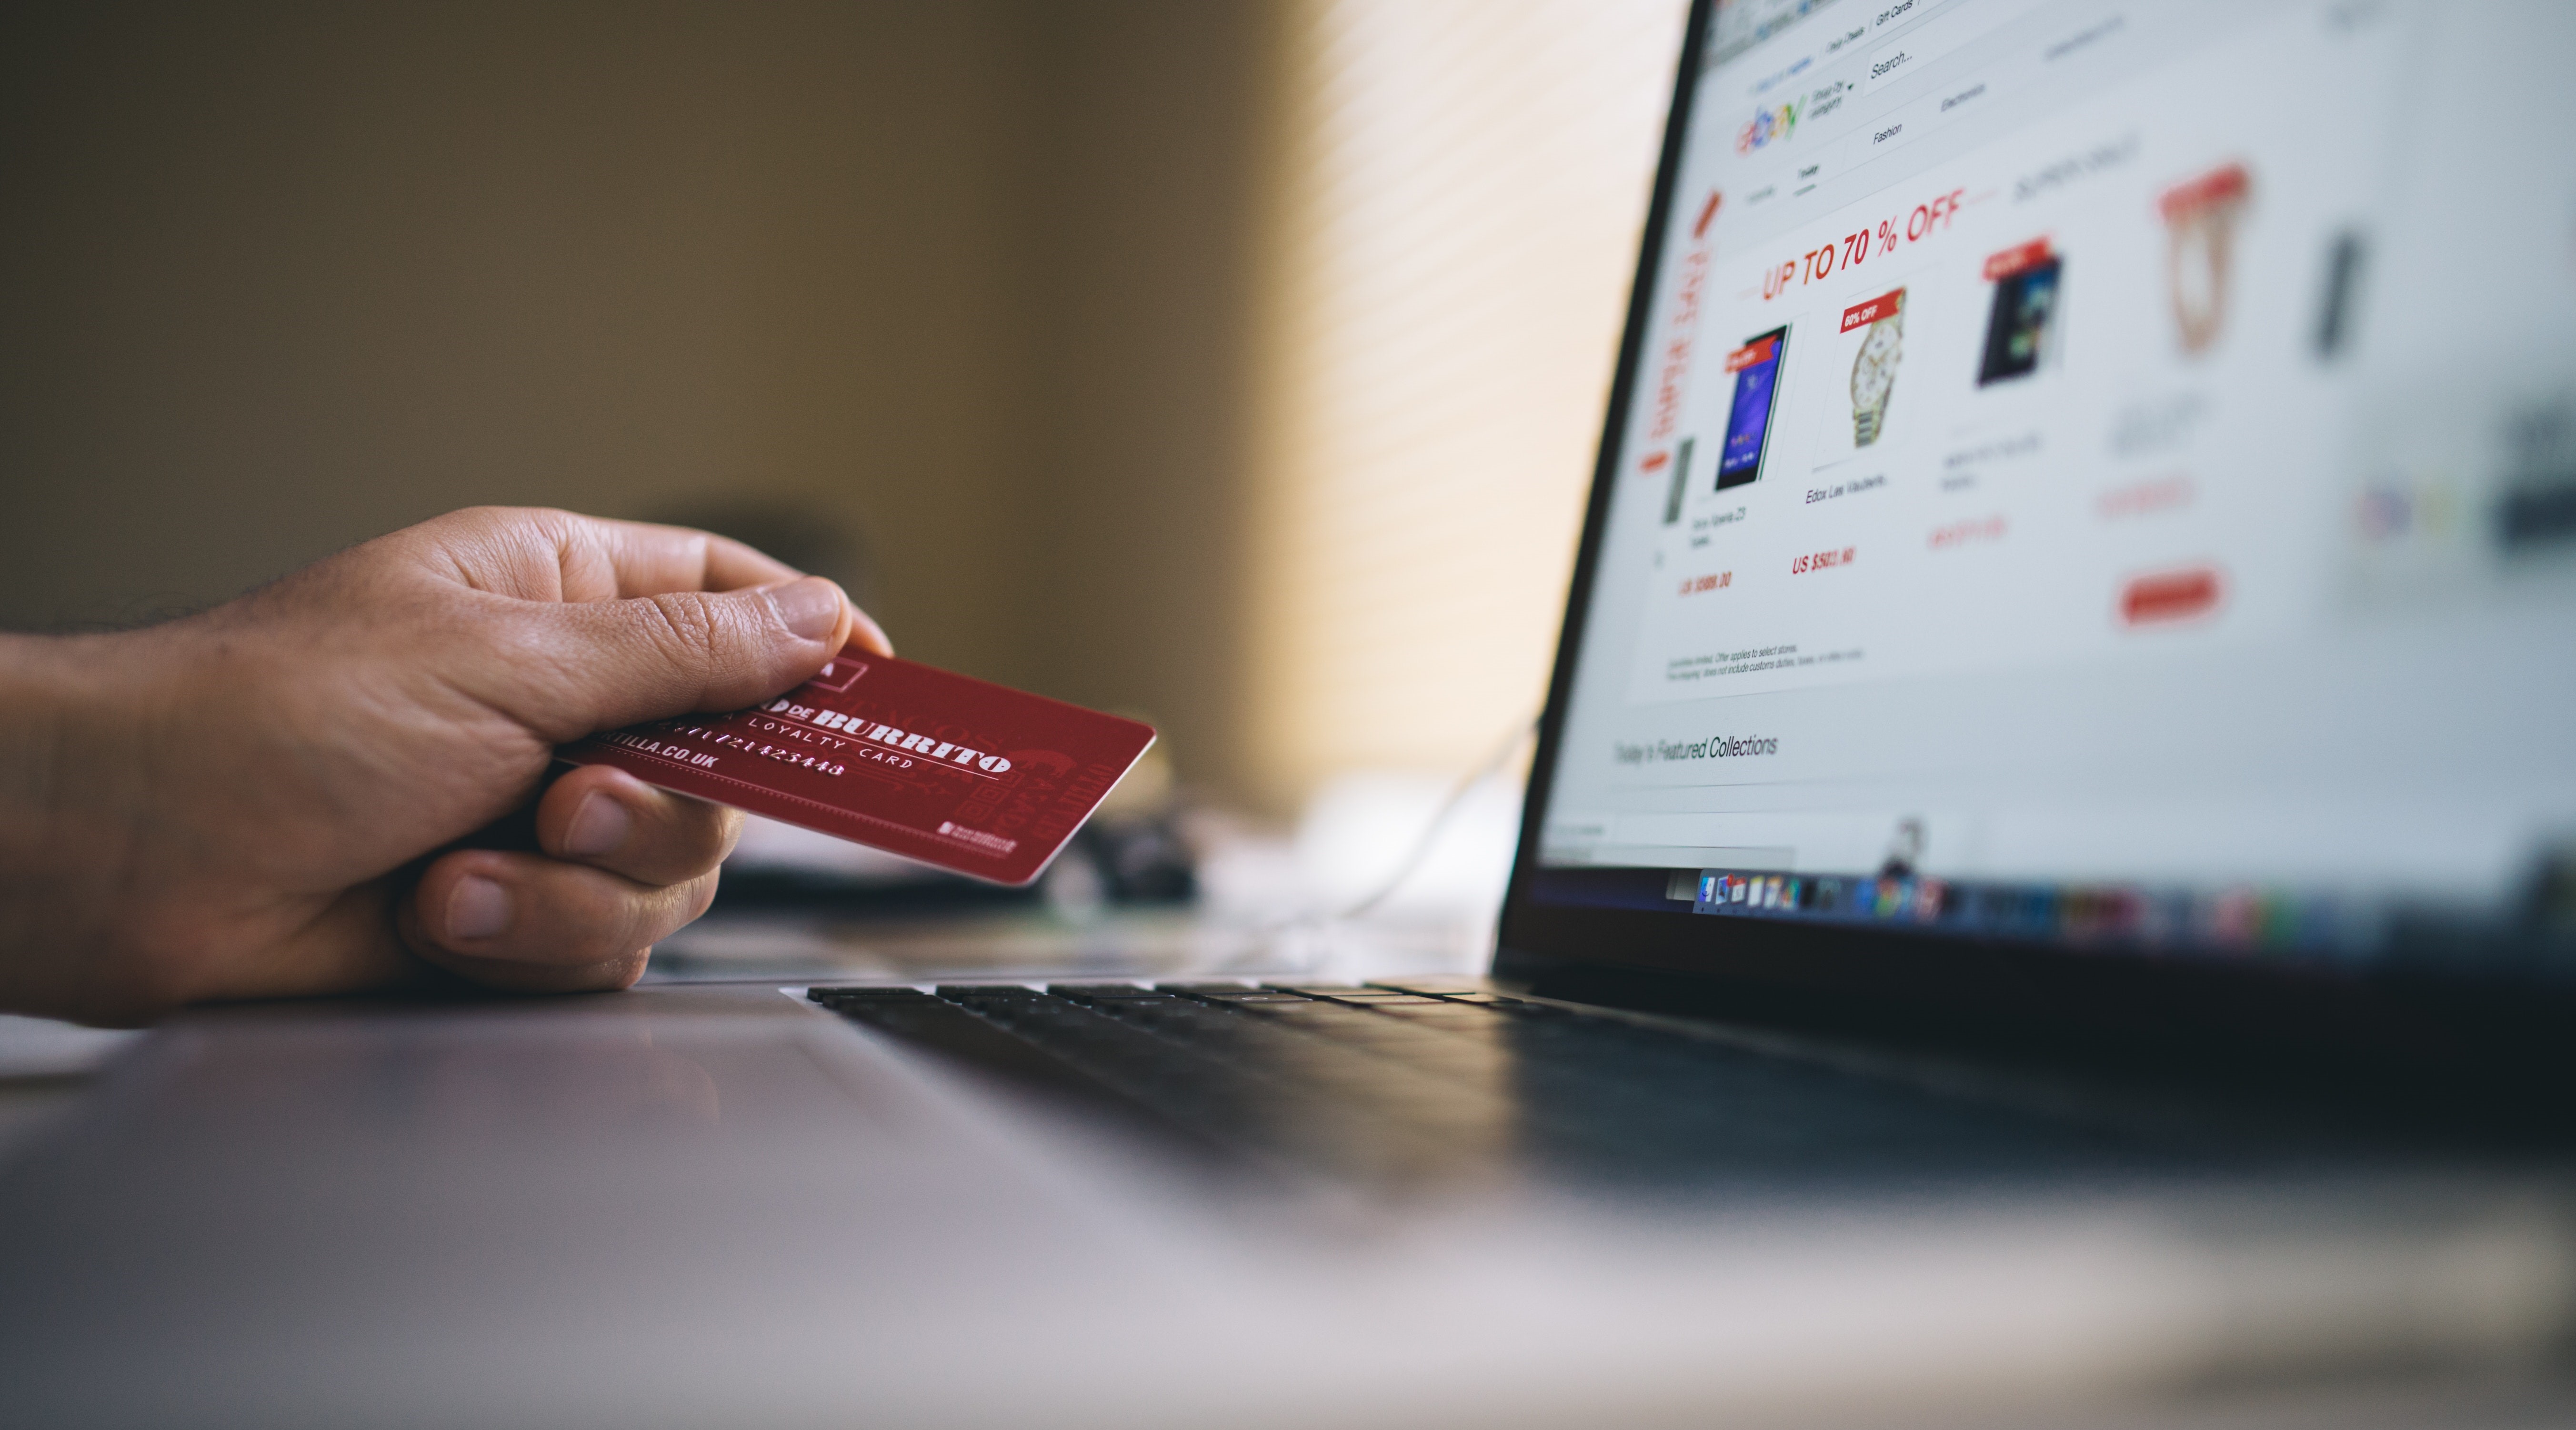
(1933, 39)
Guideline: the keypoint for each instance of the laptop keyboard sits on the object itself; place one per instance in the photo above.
(1398, 1083)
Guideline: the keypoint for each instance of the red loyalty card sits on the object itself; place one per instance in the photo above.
(973, 777)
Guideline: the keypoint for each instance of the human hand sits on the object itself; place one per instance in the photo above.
(267, 799)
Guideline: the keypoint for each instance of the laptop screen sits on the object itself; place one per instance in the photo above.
(2095, 475)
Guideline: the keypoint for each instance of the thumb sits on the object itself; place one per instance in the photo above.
(616, 663)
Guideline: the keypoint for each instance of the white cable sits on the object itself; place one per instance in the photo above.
(1266, 950)
(1421, 850)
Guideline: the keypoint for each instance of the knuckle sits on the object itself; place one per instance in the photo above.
(626, 921)
(649, 916)
(495, 518)
(671, 909)
(702, 834)
(702, 895)
(728, 832)
(687, 623)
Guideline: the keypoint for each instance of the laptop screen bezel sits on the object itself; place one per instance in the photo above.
(1920, 982)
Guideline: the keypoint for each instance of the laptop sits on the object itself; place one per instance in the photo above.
(2047, 890)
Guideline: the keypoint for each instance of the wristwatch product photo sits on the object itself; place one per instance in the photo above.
(1874, 372)
(2201, 221)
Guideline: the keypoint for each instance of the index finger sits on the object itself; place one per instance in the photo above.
(547, 555)
(648, 559)
(539, 554)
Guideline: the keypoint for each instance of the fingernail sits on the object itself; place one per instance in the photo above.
(866, 632)
(810, 607)
(477, 908)
(600, 825)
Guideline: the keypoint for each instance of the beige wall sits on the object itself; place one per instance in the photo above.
(1137, 478)
(960, 278)
(1460, 187)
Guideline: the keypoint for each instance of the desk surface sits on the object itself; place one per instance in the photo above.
(706, 1203)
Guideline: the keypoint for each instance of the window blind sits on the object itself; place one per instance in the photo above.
(1460, 189)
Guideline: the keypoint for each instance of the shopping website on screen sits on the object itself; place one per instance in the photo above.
(2100, 445)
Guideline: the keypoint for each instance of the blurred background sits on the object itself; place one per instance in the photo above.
(1236, 365)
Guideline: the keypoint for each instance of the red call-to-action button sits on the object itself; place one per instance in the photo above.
(1751, 353)
(2013, 260)
(1861, 315)
(2171, 596)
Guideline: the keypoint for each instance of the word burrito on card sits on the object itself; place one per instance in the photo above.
(928, 746)
(972, 777)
